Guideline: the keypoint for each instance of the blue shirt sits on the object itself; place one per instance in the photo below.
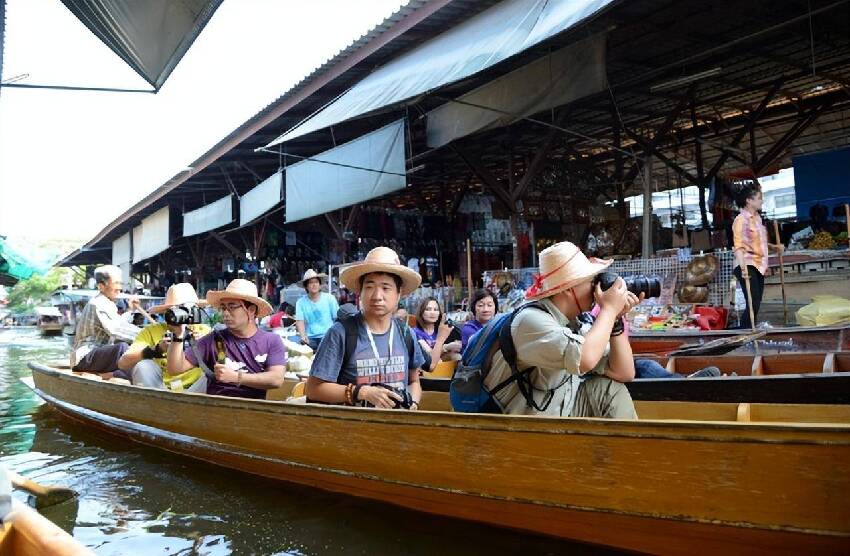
(468, 331)
(318, 316)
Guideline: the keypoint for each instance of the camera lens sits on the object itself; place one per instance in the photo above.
(648, 285)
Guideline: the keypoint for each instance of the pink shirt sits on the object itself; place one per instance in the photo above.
(750, 237)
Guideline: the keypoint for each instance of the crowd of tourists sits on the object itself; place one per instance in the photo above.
(570, 352)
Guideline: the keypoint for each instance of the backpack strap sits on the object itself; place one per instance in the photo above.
(351, 324)
(522, 377)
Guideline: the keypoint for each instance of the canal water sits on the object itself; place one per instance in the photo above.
(139, 500)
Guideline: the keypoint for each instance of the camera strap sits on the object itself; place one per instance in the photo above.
(207, 371)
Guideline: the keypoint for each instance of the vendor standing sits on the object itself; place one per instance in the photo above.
(751, 248)
(315, 312)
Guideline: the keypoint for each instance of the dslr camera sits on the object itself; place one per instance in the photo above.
(183, 314)
(406, 398)
(637, 283)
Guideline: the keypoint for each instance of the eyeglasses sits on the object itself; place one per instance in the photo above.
(230, 307)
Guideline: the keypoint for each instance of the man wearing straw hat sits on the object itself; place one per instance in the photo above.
(245, 360)
(381, 367)
(576, 373)
(315, 312)
(145, 359)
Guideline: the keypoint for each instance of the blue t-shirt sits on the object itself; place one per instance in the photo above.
(318, 316)
(390, 368)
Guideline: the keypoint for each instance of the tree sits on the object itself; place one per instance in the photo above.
(26, 294)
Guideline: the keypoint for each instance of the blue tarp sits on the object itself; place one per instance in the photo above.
(822, 178)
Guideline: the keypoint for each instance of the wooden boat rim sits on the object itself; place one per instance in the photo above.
(634, 333)
(673, 429)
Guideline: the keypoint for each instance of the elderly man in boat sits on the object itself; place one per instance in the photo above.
(371, 358)
(101, 335)
(240, 361)
(579, 362)
(146, 360)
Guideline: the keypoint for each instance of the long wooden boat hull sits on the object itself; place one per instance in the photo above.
(25, 532)
(651, 485)
(780, 339)
(50, 330)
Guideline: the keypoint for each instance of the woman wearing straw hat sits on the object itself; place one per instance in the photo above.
(374, 359)
(576, 373)
(245, 360)
(145, 359)
(315, 312)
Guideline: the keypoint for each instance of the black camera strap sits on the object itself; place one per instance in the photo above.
(207, 371)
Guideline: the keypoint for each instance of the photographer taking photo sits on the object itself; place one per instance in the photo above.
(579, 363)
(145, 359)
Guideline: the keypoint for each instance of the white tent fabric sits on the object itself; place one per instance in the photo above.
(151, 237)
(314, 187)
(260, 199)
(151, 35)
(486, 39)
(561, 77)
(48, 311)
(208, 217)
(121, 252)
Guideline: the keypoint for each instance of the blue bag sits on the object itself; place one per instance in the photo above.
(467, 392)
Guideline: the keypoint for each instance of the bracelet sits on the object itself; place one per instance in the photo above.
(355, 395)
(414, 402)
(349, 388)
(239, 378)
(618, 328)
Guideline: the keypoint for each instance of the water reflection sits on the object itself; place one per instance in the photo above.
(139, 500)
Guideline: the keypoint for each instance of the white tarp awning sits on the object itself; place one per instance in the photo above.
(151, 35)
(260, 199)
(151, 237)
(488, 38)
(121, 252)
(208, 217)
(362, 169)
(48, 312)
(561, 77)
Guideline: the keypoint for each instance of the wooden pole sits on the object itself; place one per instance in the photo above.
(847, 214)
(469, 272)
(749, 300)
(781, 273)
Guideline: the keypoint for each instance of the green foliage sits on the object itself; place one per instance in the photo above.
(30, 293)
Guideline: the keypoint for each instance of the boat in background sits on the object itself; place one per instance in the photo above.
(774, 340)
(49, 320)
(728, 478)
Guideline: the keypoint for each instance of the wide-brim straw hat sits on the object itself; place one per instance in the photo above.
(385, 260)
(178, 294)
(244, 290)
(310, 274)
(563, 266)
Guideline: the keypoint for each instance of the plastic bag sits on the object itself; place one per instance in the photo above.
(824, 310)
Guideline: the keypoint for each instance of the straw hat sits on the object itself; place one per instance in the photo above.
(310, 274)
(563, 266)
(380, 259)
(178, 294)
(244, 290)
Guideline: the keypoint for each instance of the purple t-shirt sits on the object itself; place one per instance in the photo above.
(255, 355)
(468, 331)
(430, 339)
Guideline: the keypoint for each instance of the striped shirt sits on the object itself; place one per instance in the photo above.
(98, 324)
(750, 237)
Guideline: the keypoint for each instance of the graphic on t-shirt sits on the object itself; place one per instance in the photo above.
(233, 365)
(387, 370)
(261, 358)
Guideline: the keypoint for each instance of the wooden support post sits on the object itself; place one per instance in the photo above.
(647, 208)
(781, 273)
(847, 216)
(469, 273)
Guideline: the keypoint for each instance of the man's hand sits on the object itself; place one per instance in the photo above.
(614, 298)
(133, 303)
(632, 301)
(164, 343)
(223, 373)
(178, 330)
(379, 397)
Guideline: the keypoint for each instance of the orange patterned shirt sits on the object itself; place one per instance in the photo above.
(750, 236)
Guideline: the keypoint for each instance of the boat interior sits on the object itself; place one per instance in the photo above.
(759, 365)
(292, 391)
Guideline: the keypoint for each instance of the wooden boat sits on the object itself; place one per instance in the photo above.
(25, 532)
(800, 339)
(799, 378)
(729, 478)
(49, 321)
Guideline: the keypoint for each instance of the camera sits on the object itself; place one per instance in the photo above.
(406, 398)
(183, 314)
(637, 284)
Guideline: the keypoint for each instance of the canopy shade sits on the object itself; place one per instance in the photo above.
(152, 236)
(208, 217)
(15, 266)
(151, 36)
(482, 41)
(261, 198)
(48, 312)
(363, 169)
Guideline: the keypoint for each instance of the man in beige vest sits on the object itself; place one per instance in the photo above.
(578, 373)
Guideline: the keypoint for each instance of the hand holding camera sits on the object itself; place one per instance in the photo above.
(444, 330)
(614, 298)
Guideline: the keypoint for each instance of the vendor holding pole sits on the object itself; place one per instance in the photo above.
(751, 250)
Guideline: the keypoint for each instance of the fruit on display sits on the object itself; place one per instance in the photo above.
(822, 240)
